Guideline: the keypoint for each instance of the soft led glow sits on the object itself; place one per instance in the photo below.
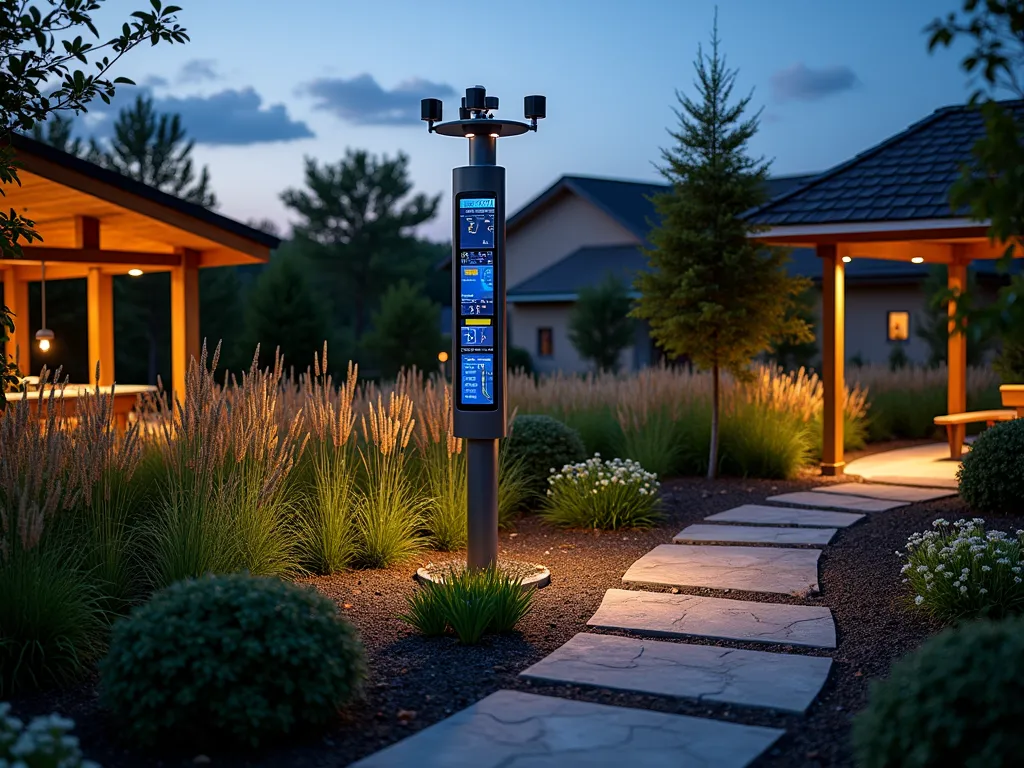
(135, 272)
(847, 259)
(918, 260)
(44, 336)
(442, 356)
(494, 135)
(470, 135)
(44, 345)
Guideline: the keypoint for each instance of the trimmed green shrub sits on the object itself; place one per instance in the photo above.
(236, 658)
(470, 603)
(962, 571)
(603, 494)
(992, 474)
(953, 702)
(46, 742)
(543, 444)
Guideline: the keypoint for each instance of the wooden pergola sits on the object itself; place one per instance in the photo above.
(96, 224)
(890, 202)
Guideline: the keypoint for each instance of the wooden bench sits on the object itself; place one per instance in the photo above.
(956, 426)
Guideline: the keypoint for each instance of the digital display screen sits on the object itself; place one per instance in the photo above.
(478, 379)
(477, 336)
(476, 284)
(476, 222)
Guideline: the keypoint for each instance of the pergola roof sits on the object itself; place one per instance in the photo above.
(91, 216)
(905, 178)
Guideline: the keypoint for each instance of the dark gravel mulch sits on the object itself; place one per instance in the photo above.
(415, 682)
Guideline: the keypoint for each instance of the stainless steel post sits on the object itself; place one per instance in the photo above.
(482, 521)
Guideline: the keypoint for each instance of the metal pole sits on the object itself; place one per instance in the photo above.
(482, 522)
(482, 455)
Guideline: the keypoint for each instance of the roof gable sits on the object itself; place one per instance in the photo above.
(906, 177)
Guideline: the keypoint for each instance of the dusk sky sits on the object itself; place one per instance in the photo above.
(262, 85)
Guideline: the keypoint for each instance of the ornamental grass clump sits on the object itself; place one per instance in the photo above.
(961, 571)
(603, 494)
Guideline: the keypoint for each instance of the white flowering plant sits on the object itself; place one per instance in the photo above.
(960, 570)
(602, 494)
(46, 742)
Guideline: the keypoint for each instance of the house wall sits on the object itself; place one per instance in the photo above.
(563, 227)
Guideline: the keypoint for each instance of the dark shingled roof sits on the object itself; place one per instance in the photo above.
(588, 266)
(905, 177)
(628, 202)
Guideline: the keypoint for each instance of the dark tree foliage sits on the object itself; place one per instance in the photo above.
(406, 331)
(599, 324)
(712, 294)
(933, 325)
(357, 222)
(791, 354)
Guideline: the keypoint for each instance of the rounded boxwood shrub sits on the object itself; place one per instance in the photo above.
(541, 444)
(954, 701)
(236, 658)
(992, 474)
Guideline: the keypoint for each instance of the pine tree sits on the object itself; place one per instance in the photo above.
(357, 224)
(599, 323)
(406, 331)
(282, 312)
(713, 294)
(58, 131)
(155, 149)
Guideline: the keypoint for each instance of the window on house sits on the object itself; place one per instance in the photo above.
(545, 342)
(899, 326)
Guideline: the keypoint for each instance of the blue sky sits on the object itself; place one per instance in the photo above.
(263, 84)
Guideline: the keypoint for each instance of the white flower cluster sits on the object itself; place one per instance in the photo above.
(606, 475)
(46, 740)
(963, 559)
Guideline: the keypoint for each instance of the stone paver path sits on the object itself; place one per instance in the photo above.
(839, 501)
(704, 672)
(510, 728)
(663, 615)
(753, 569)
(759, 514)
(888, 492)
(745, 534)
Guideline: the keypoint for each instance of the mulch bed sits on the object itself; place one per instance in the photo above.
(415, 682)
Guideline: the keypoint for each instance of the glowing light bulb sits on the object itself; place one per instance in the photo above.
(494, 135)
(442, 356)
(44, 345)
(44, 336)
(917, 260)
(847, 259)
(470, 135)
(135, 272)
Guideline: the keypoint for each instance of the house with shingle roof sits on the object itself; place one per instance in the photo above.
(582, 228)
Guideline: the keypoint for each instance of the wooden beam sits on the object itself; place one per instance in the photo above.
(988, 251)
(16, 299)
(93, 256)
(956, 347)
(100, 293)
(53, 272)
(87, 233)
(932, 253)
(833, 352)
(184, 319)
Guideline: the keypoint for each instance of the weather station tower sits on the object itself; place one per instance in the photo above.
(479, 336)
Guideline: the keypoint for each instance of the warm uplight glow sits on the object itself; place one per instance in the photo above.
(494, 135)
(442, 356)
(44, 345)
(470, 135)
(918, 260)
(135, 272)
(847, 259)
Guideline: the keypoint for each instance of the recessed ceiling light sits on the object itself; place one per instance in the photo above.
(918, 260)
(847, 259)
(135, 272)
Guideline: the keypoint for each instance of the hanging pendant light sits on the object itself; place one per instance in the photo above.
(44, 335)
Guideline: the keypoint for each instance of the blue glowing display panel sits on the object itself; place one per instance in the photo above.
(476, 286)
(477, 379)
(476, 222)
(477, 336)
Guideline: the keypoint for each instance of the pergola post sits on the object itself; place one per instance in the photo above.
(833, 352)
(16, 299)
(184, 318)
(100, 292)
(956, 349)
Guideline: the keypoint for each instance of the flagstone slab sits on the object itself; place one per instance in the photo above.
(660, 614)
(753, 569)
(888, 492)
(760, 514)
(746, 534)
(840, 501)
(781, 681)
(524, 730)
